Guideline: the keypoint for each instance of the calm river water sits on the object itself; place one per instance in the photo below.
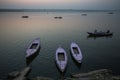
(16, 33)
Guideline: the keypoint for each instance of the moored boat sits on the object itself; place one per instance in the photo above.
(76, 52)
(61, 59)
(33, 47)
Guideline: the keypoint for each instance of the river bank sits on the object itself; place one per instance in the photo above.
(101, 74)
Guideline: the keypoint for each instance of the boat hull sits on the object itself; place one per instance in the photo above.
(61, 59)
(100, 34)
(33, 47)
(76, 52)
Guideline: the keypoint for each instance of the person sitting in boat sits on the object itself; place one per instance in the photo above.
(95, 31)
(108, 31)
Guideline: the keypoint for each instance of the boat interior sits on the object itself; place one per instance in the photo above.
(75, 49)
(61, 56)
(34, 46)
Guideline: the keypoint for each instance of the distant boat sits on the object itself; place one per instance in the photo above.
(33, 47)
(25, 16)
(108, 33)
(110, 13)
(84, 14)
(76, 52)
(61, 59)
(59, 17)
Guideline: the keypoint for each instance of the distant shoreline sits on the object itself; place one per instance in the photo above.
(54, 10)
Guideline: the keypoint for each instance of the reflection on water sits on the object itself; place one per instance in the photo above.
(31, 58)
(76, 63)
(95, 37)
(15, 33)
(61, 74)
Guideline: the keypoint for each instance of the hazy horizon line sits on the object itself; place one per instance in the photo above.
(52, 10)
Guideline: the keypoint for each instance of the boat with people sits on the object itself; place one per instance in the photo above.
(61, 59)
(100, 33)
(58, 17)
(33, 47)
(25, 16)
(76, 52)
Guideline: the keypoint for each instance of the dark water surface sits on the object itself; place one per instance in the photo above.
(16, 33)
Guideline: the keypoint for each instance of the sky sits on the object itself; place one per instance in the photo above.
(60, 4)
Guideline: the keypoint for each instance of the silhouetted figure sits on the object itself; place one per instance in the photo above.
(95, 31)
(108, 31)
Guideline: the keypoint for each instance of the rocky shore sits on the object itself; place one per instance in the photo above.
(102, 74)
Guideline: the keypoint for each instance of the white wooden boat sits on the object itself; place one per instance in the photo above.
(61, 59)
(33, 47)
(76, 52)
